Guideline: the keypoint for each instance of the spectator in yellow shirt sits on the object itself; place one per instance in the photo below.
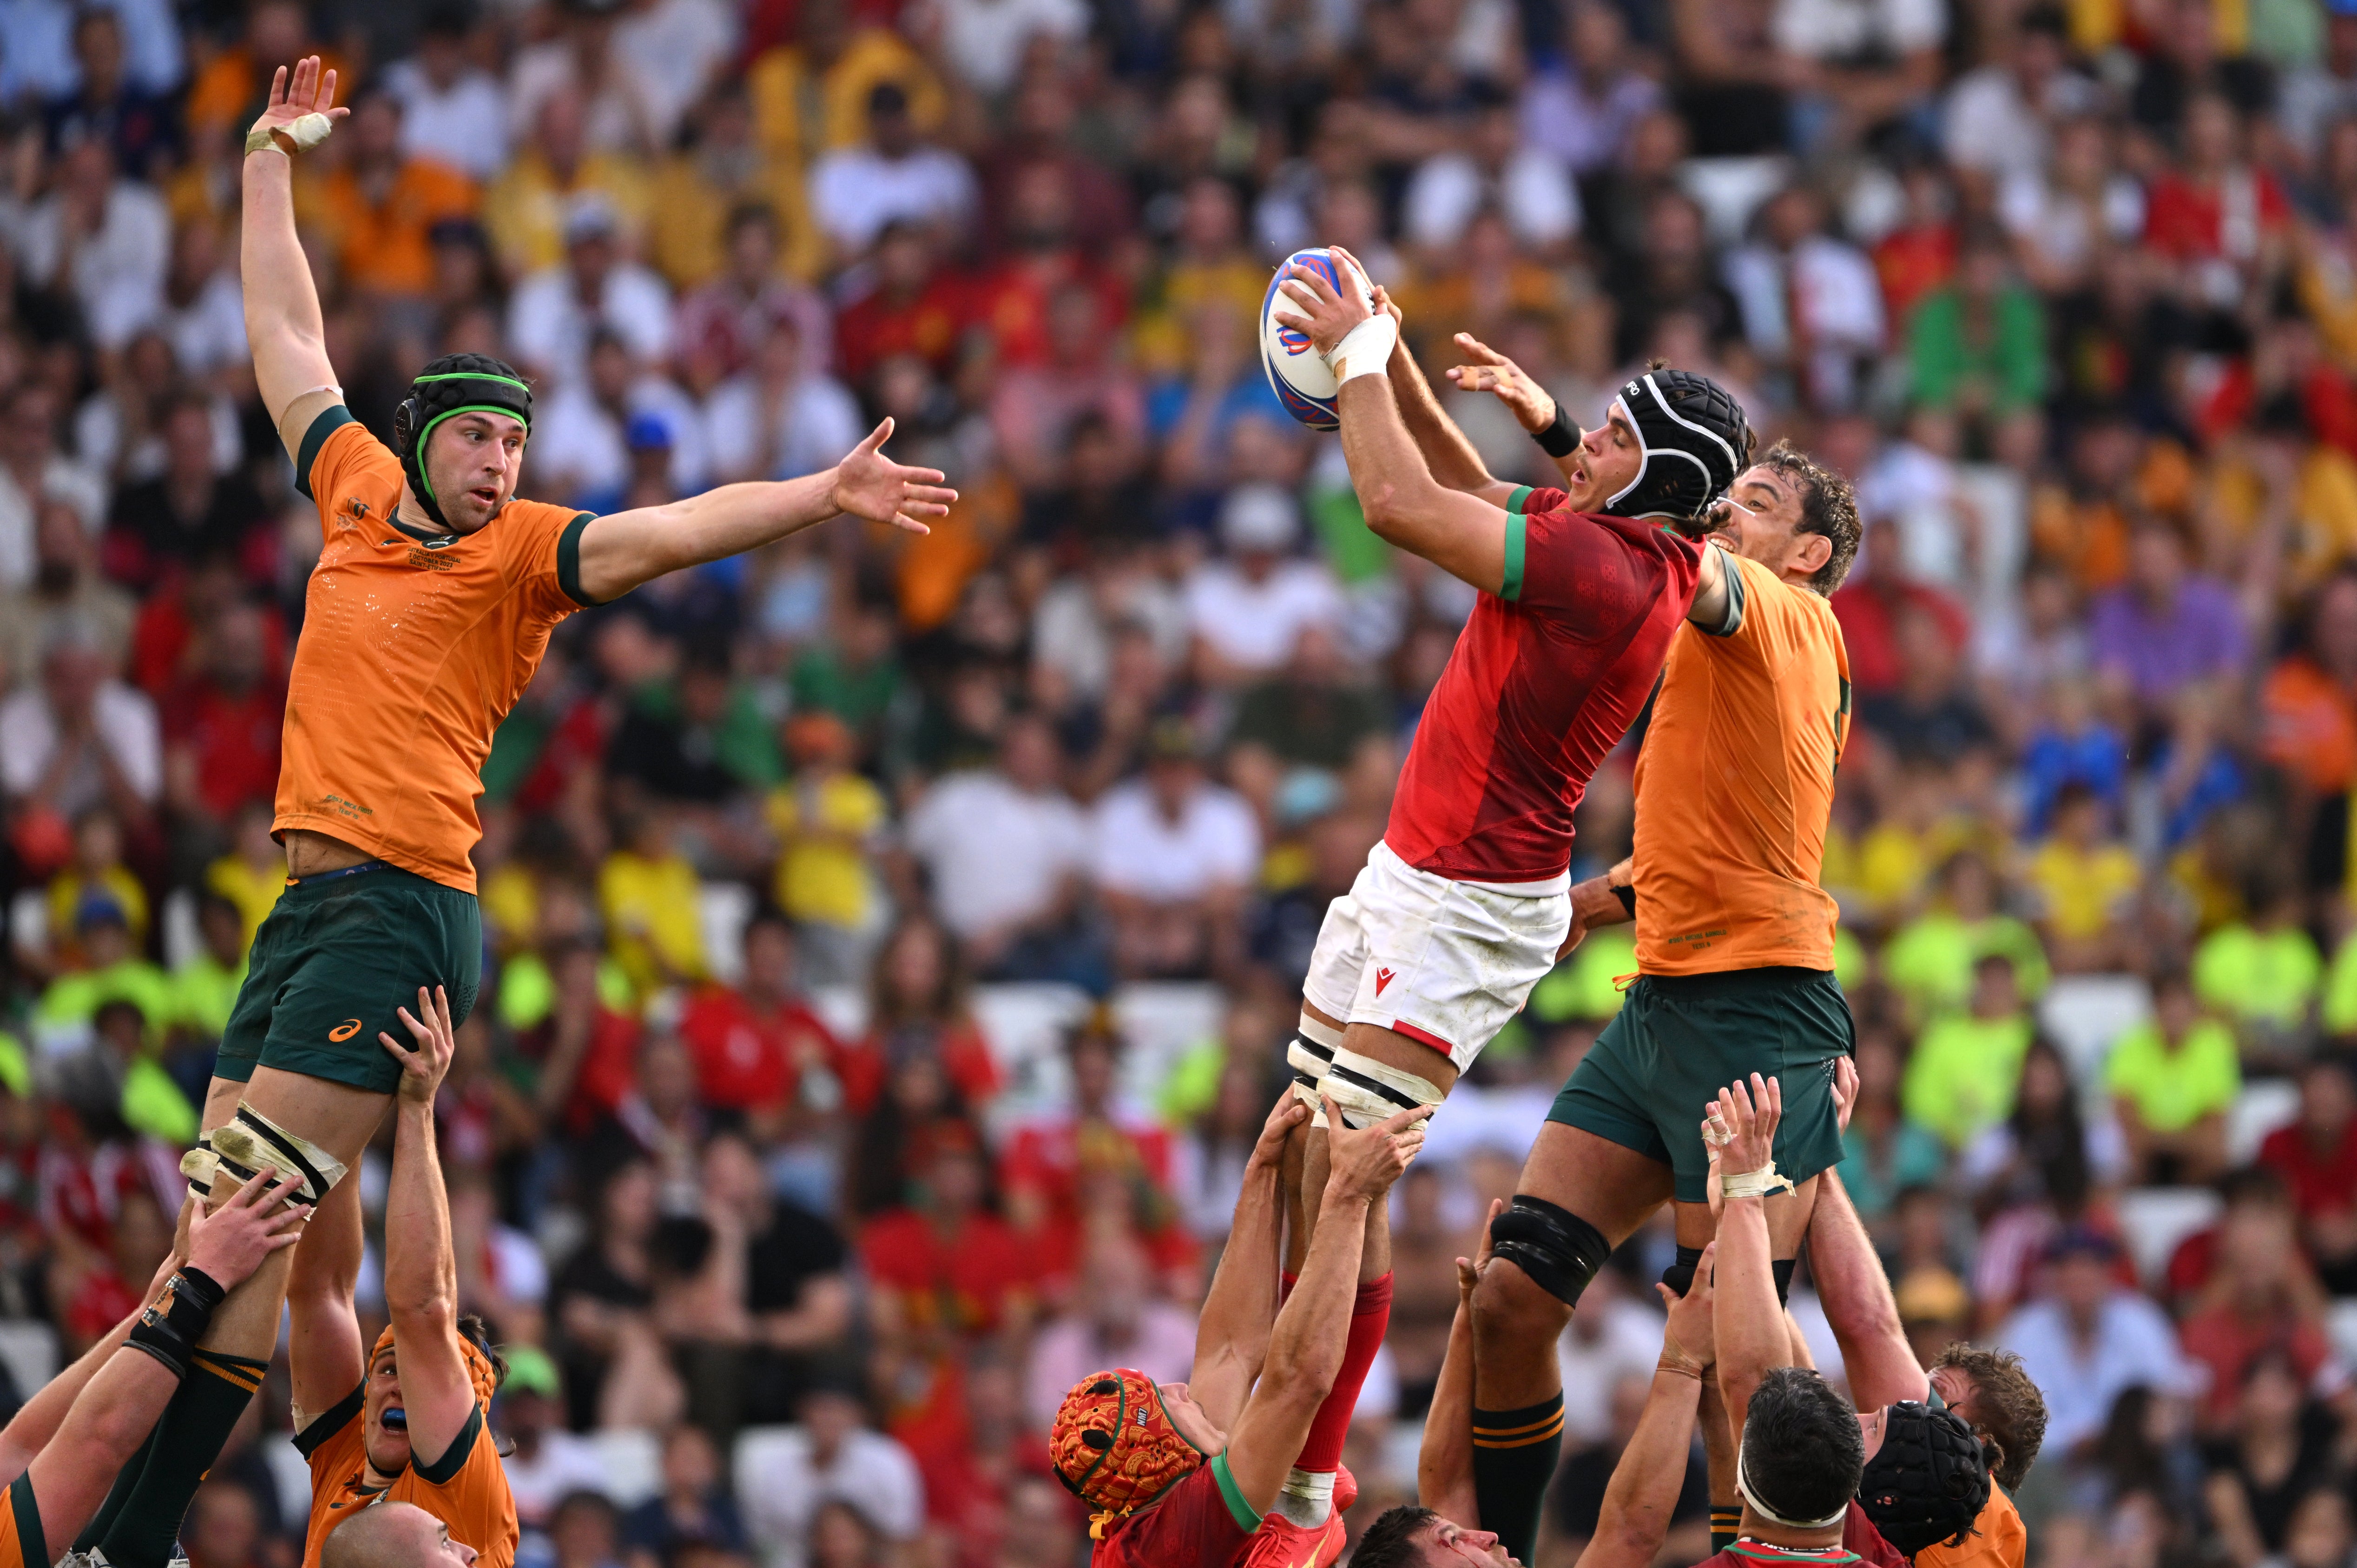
(648, 894)
(1967, 1067)
(2084, 883)
(525, 208)
(811, 97)
(723, 168)
(97, 871)
(2262, 973)
(2172, 1080)
(827, 819)
(378, 208)
(254, 874)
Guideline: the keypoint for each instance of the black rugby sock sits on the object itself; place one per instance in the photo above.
(184, 1445)
(1725, 1524)
(1515, 1457)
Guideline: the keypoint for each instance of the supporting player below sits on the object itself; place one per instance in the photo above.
(1172, 1487)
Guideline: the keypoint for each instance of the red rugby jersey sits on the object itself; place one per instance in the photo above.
(1545, 680)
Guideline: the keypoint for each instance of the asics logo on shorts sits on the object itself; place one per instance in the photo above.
(345, 1030)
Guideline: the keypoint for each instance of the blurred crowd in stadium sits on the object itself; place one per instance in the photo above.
(892, 941)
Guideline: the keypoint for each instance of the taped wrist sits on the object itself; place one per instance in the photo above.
(169, 1329)
(1680, 1275)
(1558, 1250)
(1366, 349)
(1560, 437)
(1755, 1184)
(1366, 1090)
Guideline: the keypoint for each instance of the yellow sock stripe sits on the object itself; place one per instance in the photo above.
(1554, 1428)
(1553, 1418)
(248, 1378)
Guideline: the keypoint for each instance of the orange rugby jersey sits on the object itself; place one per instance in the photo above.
(22, 1542)
(1734, 784)
(467, 1490)
(413, 649)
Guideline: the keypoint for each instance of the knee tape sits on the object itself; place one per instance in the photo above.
(1365, 1090)
(1557, 1249)
(1679, 1276)
(249, 1143)
(1310, 1053)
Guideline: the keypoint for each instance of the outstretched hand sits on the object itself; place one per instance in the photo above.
(870, 485)
(1320, 311)
(1740, 1130)
(1471, 1270)
(230, 1242)
(1488, 370)
(1845, 1092)
(422, 1069)
(312, 91)
(1690, 1339)
(1363, 1163)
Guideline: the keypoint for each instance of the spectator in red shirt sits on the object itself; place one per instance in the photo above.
(918, 1006)
(753, 1042)
(584, 1052)
(221, 724)
(2260, 1296)
(913, 307)
(1870, 607)
(1103, 1162)
(946, 1264)
(2213, 206)
(2317, 1157)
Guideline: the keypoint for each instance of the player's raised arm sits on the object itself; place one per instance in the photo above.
(1462, 535)
(421, 1272)
(1879, 1362)
(282, 326)
(1532, 406)
(1240, 1310)
(324, 1353)
(1305, 1348)
(621, 550)
(1740, 1128)
(1643, 1491)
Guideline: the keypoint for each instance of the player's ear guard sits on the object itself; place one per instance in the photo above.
(1558, 1250)
(251, 1142)
(1366, 1090)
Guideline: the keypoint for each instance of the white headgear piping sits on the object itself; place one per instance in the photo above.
(1622, 403)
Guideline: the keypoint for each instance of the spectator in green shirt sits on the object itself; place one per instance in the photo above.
(1930, 960)
(152, 1104)
(70, 1007)
(2262, 974)
(205, 986)
(1978, 347)
(1967, 1067)
(1883, 1152)
(2172, 1080)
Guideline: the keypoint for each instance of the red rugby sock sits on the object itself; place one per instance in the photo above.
(1371, 1315)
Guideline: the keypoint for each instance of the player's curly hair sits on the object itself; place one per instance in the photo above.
(1828, 506)
(2010, 1413)
(1391, 1541)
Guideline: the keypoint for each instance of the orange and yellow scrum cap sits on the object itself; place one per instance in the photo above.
(1114, 1446)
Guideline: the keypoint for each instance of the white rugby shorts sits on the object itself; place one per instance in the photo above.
(1443, 963)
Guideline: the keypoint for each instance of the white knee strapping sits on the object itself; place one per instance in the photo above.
(1310, 1054)
(1366, 1090)
(251, 1142)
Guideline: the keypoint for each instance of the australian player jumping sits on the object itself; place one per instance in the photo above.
(1464, 904)
(427, 613)
(1192, 1475)
(407, 1423)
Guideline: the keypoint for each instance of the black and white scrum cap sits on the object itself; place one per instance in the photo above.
(1695, 441)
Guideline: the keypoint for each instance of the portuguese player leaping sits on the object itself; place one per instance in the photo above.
(1464, 904)
(427, 613)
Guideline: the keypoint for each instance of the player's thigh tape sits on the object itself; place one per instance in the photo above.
(1365, 1090)
(1557, 1249)
(1310, 1053)
(250, 1143)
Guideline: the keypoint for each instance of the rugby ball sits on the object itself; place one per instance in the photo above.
(1302, 380)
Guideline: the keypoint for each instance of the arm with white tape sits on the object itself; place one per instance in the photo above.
(1739, 1129)
(1460, 533)
(283, 325)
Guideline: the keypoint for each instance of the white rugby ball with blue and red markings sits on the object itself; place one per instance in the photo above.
(1302, 380)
